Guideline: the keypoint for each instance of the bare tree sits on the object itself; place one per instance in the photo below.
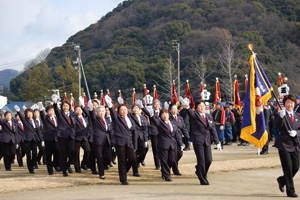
(201, 69)
(38, 59)
(167, 77)
(227, 62)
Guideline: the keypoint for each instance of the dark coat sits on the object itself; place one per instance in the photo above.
(123, 136)
(152, 130)
(200, 130)
(30, 133)
(284, 141)
(19, 132)
(166, 138)
(8, 133)
(99, 131)
(182, 129)
(49, 129)
(81, 132)
(65, 129)
(140, 130)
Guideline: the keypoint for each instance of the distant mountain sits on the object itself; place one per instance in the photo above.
(132, 44)
(6, 76)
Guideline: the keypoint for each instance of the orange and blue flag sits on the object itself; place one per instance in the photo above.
(258, 93)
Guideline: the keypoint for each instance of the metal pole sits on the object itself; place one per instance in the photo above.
(79, 71)
(86, 85)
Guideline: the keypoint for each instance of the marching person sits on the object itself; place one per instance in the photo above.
(167, 140)
(49, 137)
(81, 138)
(8, 139)
(288, 144)
(124, 138)
(65, 134)
(179, 122)
(31, 137)
(202, 127)
(153, 134)
(113, 149)
(20, 151)
(41, 145)
(140, 131)
(100, 138)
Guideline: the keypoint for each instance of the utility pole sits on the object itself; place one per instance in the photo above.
(80, 68)
(176, 46)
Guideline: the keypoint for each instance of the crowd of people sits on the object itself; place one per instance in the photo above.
(55, 135)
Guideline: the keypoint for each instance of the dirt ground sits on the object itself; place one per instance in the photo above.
(236, 173)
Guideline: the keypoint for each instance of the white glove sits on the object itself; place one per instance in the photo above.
(4, 111)
(41, 107)
(108, 101)
(120, 100)
(146, 144)
(43, 143)
(282, 113)
(219, 147)
(181, 148)
(166, 105)
(151, 112)
(90, 105)
(222, 127)
(81, 101)
(17, 108)
(114, 149)
(140, 103)
(17, 146)
(54, 98)
(24, 107)
(292, 133)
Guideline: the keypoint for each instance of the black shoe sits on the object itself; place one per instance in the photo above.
(95, 172)
(106, 167)
(39, 163)
(102, 177)
(8, 169)
(31, 172)
(241, 144)
(166, 179)
(70, 170)
(65, 174)
(178, 174)
(50, 173)
(35, 167)
(157, 168)
(137, 175)
(264, 152)
(110, 165)
(281, 186)
(21, 165)
(207, 183)
(143, 163)
(84, 167)
(186, 149)
(114, 162)
(125, 183)
(292, 195)
(57, 169)
(78, 171)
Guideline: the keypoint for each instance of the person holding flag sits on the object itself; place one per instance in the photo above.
(287, 143)
(219, 119)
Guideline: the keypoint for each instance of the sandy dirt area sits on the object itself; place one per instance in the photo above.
(236, 173)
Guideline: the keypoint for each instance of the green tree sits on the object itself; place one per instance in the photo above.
(39, 84)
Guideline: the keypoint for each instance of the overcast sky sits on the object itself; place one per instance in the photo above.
(29, 26)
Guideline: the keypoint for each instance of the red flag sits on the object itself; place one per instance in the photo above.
(155, 96)
(111, 98)
(133, 96)
(145, 90)
(72, 101)
(85, 99)
(201, 89)
(246, 83)
(174, 95)
(102, 101)
(217, 92)
(236, 95)
(65, 98)
(188, 95)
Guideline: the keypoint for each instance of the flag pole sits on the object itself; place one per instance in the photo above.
(250, 47)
